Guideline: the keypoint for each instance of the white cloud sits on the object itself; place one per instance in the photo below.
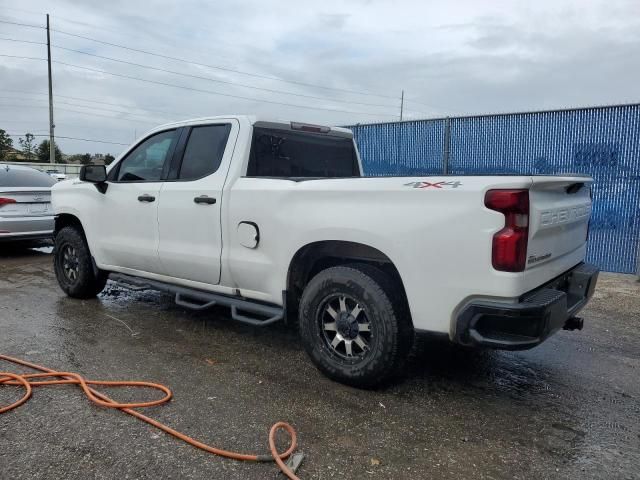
(456, 57)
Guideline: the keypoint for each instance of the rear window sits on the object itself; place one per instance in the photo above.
(24, 177)
(285, 153)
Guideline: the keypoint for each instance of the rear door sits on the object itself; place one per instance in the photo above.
(560, 209)
(125, 230)
(189, 211)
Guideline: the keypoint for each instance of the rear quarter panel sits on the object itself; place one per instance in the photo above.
(439, 238)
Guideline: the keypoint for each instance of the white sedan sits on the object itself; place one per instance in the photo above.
(25, 204)
(57, 174)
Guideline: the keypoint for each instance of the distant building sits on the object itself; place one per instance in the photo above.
(97, 159)
(15, 155)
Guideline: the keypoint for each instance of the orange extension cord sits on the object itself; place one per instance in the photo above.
(68, 378)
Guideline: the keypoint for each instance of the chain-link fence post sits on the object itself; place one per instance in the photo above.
(446, 146)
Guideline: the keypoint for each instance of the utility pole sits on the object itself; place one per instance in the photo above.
(52, 148)
(401, 102)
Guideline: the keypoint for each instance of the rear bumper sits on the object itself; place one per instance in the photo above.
(16, 237)
(537, 314)
(29, 227)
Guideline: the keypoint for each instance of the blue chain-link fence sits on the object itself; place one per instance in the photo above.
(603, 142)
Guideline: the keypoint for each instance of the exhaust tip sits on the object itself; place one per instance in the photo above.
(574, 323)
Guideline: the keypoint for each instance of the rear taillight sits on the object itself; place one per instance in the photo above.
(509, 253)
(5, 201)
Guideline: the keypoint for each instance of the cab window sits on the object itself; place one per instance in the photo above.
(204, 151)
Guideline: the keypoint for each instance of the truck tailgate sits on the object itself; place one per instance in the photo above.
(560, 209)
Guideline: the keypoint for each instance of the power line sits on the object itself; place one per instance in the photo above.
(58, 17)
(150, 67)
(217, 67)
(122, 106)
(135, 120)
(105, 109)
(119, 105)
(100, 102)
(74, 138)
(14, 9)
(21, 41)
(22, 24)
(211, 92)
(63, 125)
(15, 121)
(235, 84)
(411, 100)
(37, 134)
(200, 77)
(217, 80)
(94, 140)
(214, 66)
(23, 58)
(108, 110)
(204, 78)
(226, 69)
(84, 106)
(419, 103)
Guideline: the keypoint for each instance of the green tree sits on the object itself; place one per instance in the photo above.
(108, 158)
(85, 159)
(28, 148)
(42, 152)
(6, 144)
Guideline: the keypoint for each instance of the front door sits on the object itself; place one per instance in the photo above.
(126, 232)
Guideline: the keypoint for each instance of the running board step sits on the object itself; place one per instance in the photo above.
(242, 310)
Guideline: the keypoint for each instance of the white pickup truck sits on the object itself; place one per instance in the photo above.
(276, 221)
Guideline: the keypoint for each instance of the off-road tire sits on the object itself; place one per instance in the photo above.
(386, 311)
(84, 282)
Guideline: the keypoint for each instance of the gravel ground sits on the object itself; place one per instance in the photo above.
(569, 408)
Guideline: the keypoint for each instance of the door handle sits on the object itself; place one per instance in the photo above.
(146, 198)
(205, 199)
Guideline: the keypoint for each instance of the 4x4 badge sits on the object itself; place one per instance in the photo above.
(453, 184)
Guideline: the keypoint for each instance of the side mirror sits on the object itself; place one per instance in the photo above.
(95, 174)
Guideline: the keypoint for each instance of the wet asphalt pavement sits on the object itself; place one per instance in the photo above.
(567, 409)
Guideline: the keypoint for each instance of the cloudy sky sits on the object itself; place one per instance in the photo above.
(331, 61)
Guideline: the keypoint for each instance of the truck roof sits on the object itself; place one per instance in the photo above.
(252, 119)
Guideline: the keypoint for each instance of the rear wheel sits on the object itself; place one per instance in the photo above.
(354, 325)
(74, 267)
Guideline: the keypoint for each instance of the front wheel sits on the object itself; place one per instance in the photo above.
(73, 266)
(353, 325)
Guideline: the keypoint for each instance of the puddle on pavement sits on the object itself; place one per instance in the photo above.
(558, 402)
